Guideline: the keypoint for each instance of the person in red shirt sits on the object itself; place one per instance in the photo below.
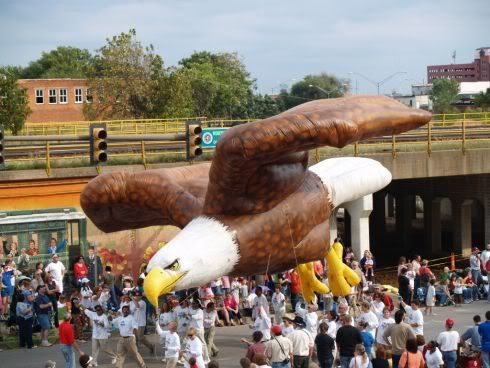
(80, 269)
(231, 306)
(67, 341)
(295, 288)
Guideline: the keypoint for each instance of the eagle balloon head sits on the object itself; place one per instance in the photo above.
(202, 252)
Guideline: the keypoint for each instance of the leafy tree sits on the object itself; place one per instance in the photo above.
(63, 62)
(483, 100)
(443, 94)
(220, 83)
(314, 87)
(14, 103)
(125, 79)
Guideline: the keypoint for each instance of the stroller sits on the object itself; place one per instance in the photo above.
(421, 295)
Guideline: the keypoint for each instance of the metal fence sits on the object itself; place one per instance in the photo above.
(444, 132)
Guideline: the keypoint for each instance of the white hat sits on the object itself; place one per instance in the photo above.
(84, 280)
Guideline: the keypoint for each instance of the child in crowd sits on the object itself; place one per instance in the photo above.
(430, 298)
(458, 292)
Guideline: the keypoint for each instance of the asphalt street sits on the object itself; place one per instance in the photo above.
(228, 341)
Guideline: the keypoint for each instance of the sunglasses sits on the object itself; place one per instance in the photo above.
(190, 335)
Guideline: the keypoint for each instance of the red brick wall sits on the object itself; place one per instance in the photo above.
(46, 112)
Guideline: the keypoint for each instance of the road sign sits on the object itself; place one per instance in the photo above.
(210, 136)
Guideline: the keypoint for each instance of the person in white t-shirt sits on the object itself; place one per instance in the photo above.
(369, 317)
(138, 310)
(100, 333)
(193, 348)
(279, 303)
(448, 343)
(210, 321)
(262, 323)
(433, 356)
(310, 317)
(57, 269)
(172, 343)
(415, 318)
(377, 305)
(196, 321)
(260, 300)
(287, 326)
(384, 322)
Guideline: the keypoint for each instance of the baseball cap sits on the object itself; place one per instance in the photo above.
(55, 256)
(276, 329)
(84, 280)
(449, 322)
(476, 249)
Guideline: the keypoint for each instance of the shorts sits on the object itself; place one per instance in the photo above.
(44, 321)
(6, 291)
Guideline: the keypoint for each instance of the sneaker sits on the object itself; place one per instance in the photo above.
(45, 344)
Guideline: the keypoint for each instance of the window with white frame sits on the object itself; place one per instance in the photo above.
(39, 96)
(52, 96)
(63, 96)
(78, 95)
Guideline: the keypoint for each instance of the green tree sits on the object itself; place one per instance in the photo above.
(220, 84)
(442, 94)
(482, 100)
(14, 103)
(314, 87)
(125, 79)
(63, 62)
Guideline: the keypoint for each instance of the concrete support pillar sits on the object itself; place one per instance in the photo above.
(432, 225)
(462, 226)
(403, 212)
(333, 225)
(359, 211)
(486, 216)
(378, 221)
(390, 205)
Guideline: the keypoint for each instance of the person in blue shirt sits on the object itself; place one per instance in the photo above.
(25, 318)
(472, 334)
(7, 289)
(43, 307)
(367, 339)
(484, 331)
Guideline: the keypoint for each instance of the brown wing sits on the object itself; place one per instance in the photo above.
(125, 200)
(257, 165)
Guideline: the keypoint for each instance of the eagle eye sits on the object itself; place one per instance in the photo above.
(174, 266)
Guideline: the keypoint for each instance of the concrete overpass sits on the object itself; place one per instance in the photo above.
(436, 203)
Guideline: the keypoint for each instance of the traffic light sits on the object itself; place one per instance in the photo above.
(2, 148)
(98, 144)
(193, 139)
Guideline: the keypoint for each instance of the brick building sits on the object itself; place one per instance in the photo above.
(56, 99)
(476, 71)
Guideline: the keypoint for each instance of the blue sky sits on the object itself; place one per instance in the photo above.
(278, 40)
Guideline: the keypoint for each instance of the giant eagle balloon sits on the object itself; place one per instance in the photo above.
(256, 207)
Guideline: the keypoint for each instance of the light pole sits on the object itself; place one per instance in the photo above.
(381, 82)
(324, 90)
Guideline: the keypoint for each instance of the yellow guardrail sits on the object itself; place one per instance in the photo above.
(444, 132)
(136, 126)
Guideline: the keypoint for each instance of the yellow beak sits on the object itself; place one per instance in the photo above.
(159, 282)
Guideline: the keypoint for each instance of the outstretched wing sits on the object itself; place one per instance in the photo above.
(126, 200)
(257, 165)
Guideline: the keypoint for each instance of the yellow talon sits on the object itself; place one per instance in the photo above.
(340, 277)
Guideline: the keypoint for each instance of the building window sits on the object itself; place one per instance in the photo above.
(63, 96)
(78, 95)
(90, 96)
(39, 96)
(52, 96)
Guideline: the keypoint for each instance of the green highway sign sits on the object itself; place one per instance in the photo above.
(210, 136)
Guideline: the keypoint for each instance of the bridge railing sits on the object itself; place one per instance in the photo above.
(444, 132)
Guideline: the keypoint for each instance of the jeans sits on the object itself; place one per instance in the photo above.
(69, 356)
(485, 358)
(449, 358)
(476, 275)
(301, 361)
(345, 361)
(396, 359)
(281, 365)
(294, 300)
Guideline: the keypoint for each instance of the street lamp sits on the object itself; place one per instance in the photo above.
(325, 91)
(381, 82)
